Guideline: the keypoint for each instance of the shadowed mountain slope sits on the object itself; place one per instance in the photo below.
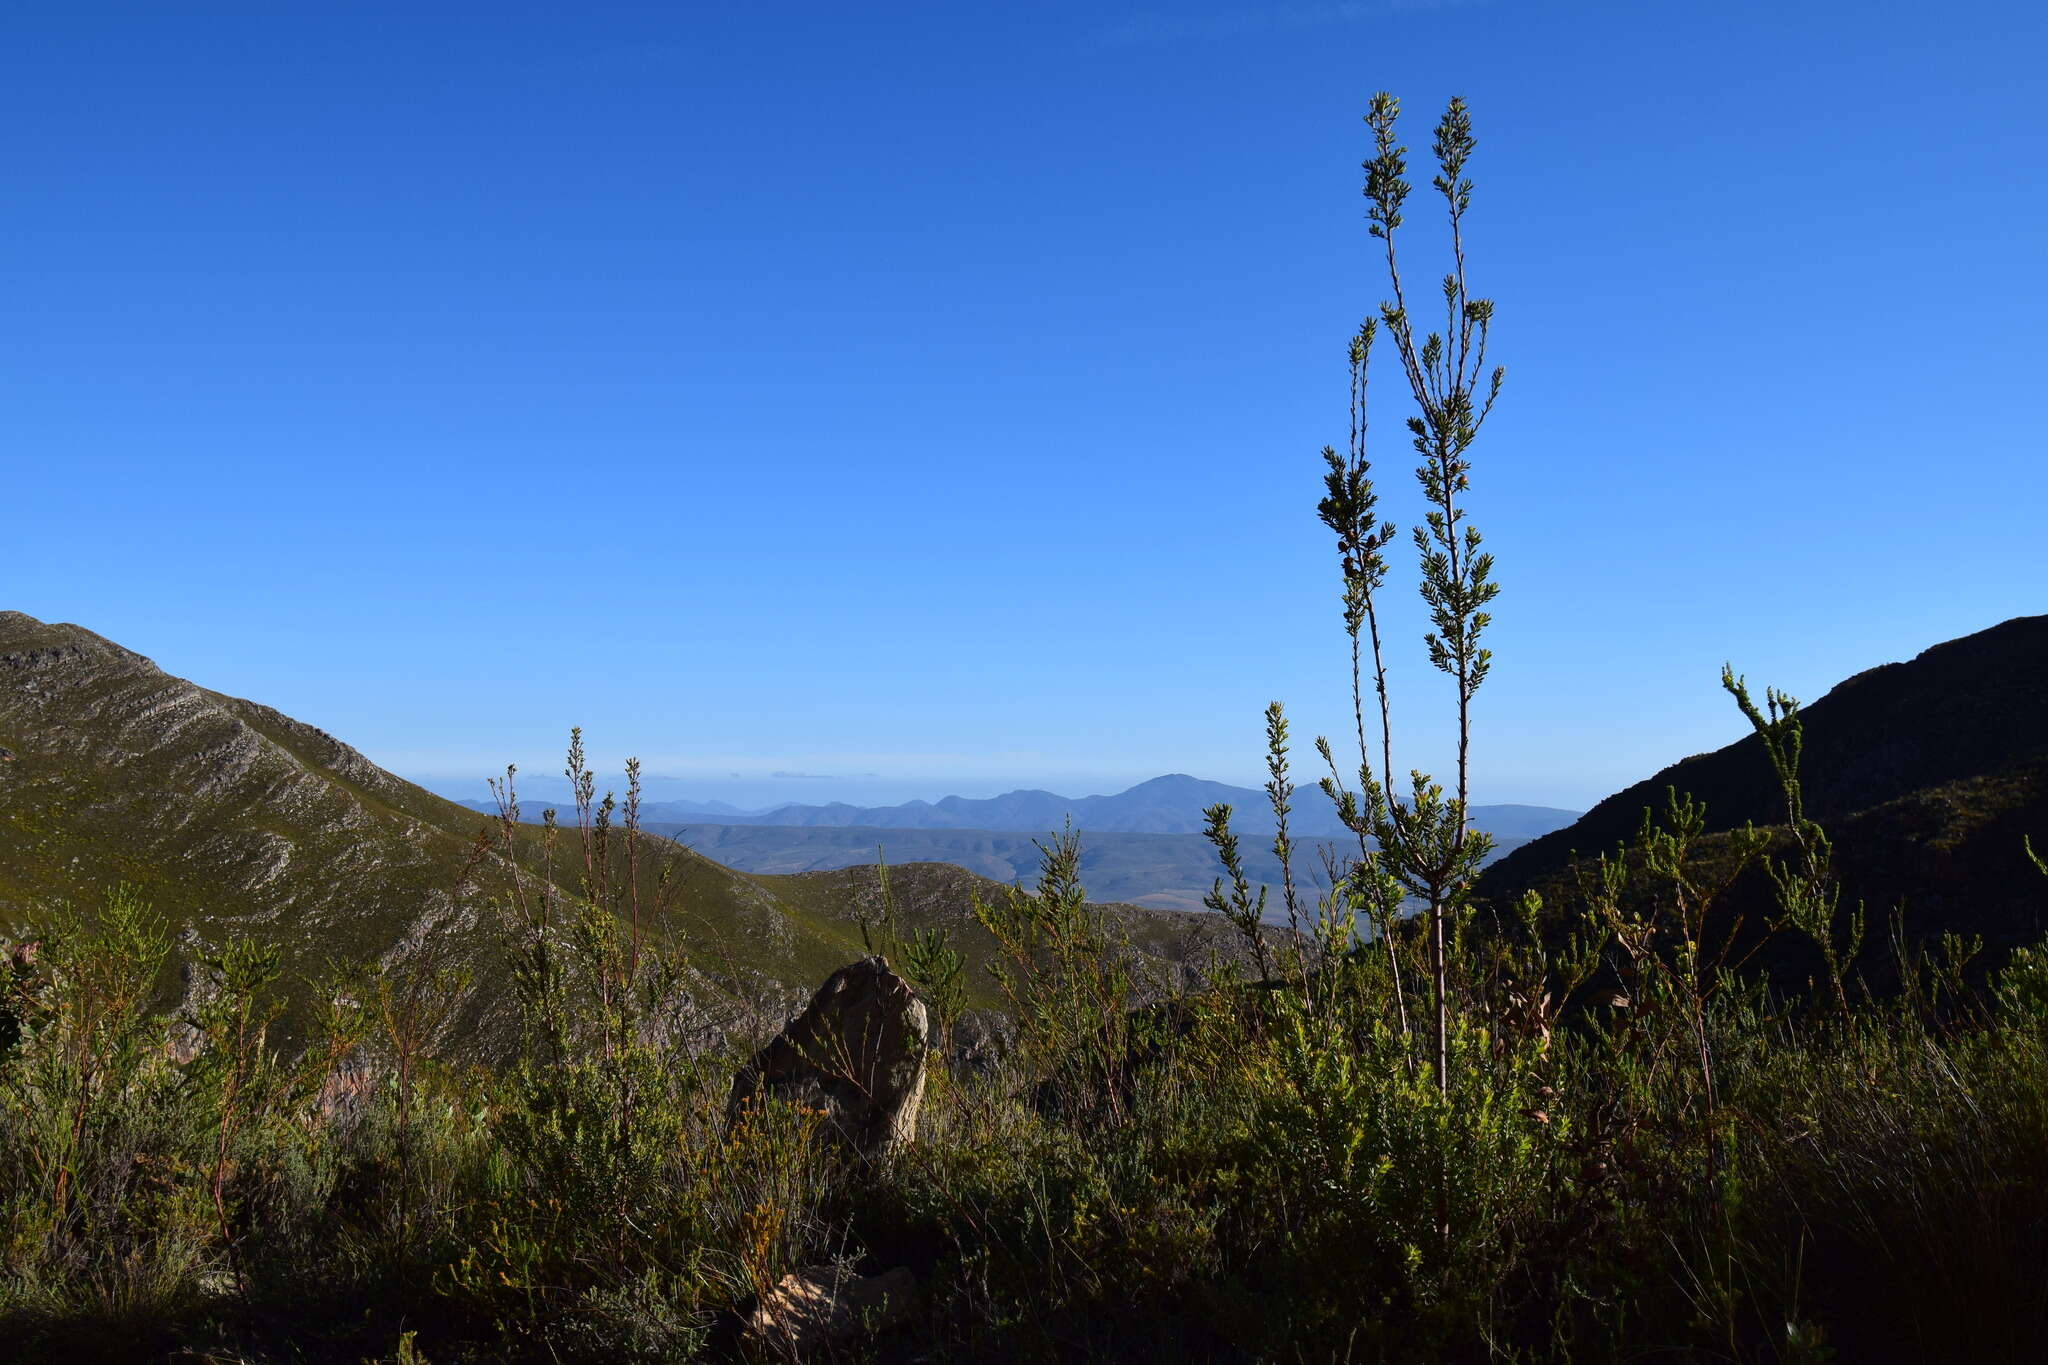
(1928, 774)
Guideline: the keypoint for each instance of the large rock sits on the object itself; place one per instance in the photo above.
(823, 1306)
(857, 1052)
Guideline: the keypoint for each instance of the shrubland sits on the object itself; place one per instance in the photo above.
(1414, 1127)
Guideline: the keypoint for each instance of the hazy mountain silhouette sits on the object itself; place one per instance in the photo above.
(1173, 804)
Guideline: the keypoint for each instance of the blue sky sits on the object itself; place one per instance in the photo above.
(926, 398)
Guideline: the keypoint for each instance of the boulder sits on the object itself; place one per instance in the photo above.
(857, 1053)
(824, 1306)
(981, 1039)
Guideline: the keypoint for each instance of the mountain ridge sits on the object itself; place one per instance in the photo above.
(234, 819)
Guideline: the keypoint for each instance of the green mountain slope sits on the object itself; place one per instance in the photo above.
(232, 818)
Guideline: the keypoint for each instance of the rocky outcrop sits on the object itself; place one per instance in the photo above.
(857, 1052)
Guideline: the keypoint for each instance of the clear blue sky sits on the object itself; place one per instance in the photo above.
(927, 397)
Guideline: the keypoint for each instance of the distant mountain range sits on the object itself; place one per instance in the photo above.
(1139, 847)
(1157, 871)
(1173, 804)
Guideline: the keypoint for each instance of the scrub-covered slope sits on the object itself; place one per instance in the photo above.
(231, 818)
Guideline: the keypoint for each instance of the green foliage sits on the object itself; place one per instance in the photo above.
(939, 972)
(1246, 914)
(1245, 1171)
(1065, 976)
(1421, 843)
(1809, 898)
(925, 957)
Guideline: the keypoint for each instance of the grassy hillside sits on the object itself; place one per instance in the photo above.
(1159, 871)
(232, 819)
(1171, 945)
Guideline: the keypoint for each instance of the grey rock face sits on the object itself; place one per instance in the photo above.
(981, 1039)
(857, 1052)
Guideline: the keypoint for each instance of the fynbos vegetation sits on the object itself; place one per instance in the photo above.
(1415, 1125)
